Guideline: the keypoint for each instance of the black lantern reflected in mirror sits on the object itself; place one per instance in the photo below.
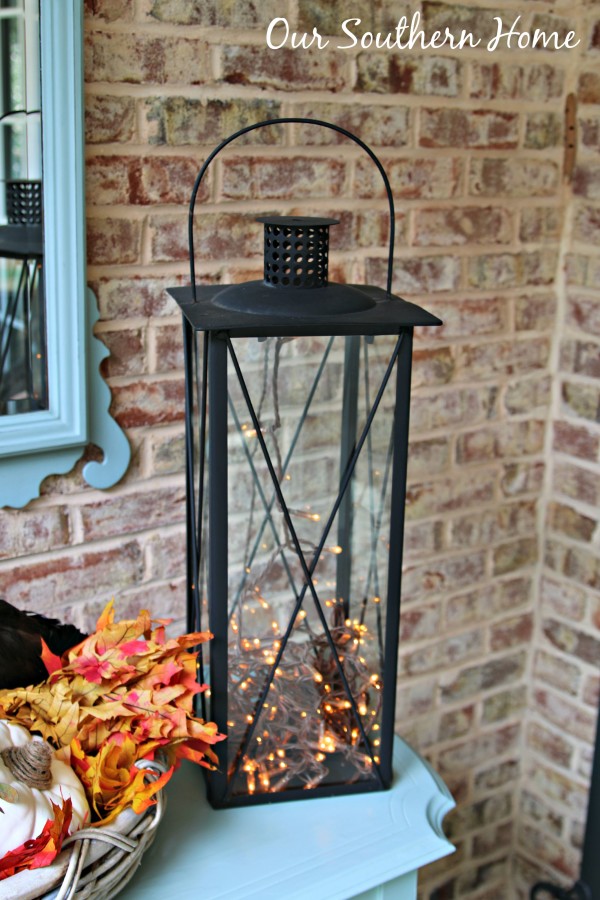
(297, 407)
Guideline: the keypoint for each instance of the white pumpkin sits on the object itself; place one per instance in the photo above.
(24, 819)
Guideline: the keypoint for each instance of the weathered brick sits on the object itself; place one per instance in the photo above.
(504, 705)
(458, 18)
(391, 73)
(144, 59)
(478, 129)
(589, 130)
(554, 670)
(491, 674)
(542, 130)
(123, 298)
(112, 241)
(588, 87)
(418, 624)
(581, 400)
(496, 776)
(438, 496)
(284, 69)
(480, 749)
(527, 395)
(427, 456)
(555, 28)
(506, 81)
(511, 632)
(180, 121)
(434, 575)
(222, 13)
(167, 555)
(109, 119)
(282, 179)
(541, 224)
(463, 225)
(543, 847)
(494, 177)
(411, 179)
(148, 402)
(490, 840)
(522, 478)
(512, 438)
(108, 179)
(518, 357)
(127, 352)
(167, 344)
(432, 366)
(535, 312)
(577, 482)
(550, 745)
(567, 716)
(571, 640)
(51, 583)
(580, 357)
(452, 407)
(33, 531)
(567, 600)
(532, 807)
(478, 815)
(167, 452)
(570, 522)
(415, 699)
(481, 604)
(378, 126)
(577, 563)
(326, 18)
(418, 274)
(484, 527)
(109, 10)
(591, 690)
(583, 269)
(368, 228)
(492, 875)
(515, 555)
(511, 269)
(167, 179)
(587, 224)
(437, 656)
(456, 723)
(584, 313)
(216, 236)
(133, 512)
(586, 181)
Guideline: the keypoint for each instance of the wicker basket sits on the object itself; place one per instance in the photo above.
(95, 862)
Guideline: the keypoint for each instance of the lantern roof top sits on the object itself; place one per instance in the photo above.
(256, 309)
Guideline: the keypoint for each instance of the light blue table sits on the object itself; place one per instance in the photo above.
(365, 846)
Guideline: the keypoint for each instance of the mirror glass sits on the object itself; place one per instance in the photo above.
(23, 357)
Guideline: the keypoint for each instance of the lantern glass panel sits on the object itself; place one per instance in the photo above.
(307, 572)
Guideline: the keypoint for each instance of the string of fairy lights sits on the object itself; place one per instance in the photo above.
(304, 730)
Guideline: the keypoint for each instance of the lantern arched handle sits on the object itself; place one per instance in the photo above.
(291, 121)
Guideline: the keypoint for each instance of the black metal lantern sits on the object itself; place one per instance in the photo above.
(297, 406)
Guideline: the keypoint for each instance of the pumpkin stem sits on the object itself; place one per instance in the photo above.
(30, 763)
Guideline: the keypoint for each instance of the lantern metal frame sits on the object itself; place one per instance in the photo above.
(385, 315)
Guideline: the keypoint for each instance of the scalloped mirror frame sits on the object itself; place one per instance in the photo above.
(37, 444)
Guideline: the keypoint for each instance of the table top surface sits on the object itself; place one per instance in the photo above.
(323, 848)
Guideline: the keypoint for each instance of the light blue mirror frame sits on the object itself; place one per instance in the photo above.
(34, 445)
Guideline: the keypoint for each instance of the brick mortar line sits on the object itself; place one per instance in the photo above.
(579, 744)
(221, 90)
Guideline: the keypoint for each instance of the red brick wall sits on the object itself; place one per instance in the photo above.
(560, 731)
(504, 435)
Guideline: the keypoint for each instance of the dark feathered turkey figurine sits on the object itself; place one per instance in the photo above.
(21, 636)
